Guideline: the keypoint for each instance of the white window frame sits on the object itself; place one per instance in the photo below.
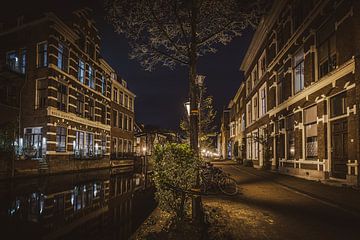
(262, 100)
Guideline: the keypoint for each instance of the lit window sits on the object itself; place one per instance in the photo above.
(61, 139)
(310, 122)
(262, 100)
(62, 58)
(81, 71)
(42, 57)
(290, 137)
(103, 85)
(91, 77)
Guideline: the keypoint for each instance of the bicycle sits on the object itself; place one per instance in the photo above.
(214, 178)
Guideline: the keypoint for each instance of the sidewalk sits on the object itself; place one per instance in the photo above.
(345, 198)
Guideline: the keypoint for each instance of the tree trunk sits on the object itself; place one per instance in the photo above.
(194, 111)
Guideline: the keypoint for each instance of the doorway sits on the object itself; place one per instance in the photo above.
(339, 150)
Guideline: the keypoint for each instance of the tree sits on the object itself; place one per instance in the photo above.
(207, 116)
(264, 139)
(179, 32)
(174, 175)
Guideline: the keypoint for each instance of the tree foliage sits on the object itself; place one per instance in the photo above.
(206, 119)
(174, 174)
(171, 32)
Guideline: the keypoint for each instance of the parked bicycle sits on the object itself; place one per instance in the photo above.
(213, 178)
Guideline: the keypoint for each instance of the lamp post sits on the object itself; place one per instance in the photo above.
(193, 111)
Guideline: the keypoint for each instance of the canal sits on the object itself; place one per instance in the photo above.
(101, 204)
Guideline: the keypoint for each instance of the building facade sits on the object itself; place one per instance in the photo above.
(225, 135)
(65, 98)
(302, 90)
(122, 120)
(237, 138)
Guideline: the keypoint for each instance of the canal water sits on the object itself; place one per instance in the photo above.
(102, 204)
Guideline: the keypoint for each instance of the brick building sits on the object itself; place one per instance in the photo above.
(302, 91)
(64, 106)
(237, 124)
(225, 149)
(122, 119)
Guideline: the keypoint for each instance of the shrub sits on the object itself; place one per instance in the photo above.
(175, 168)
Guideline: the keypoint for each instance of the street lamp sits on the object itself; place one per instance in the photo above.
(187, 107)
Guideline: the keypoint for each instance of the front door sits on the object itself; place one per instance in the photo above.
(339, 150)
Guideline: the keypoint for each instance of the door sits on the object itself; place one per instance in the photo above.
(339, 150)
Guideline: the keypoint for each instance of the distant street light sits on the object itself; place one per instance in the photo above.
(187, 107)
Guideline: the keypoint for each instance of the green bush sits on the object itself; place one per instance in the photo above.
(175, 169)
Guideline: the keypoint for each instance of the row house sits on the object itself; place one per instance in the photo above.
(236, 143)
(302, 89)
(122, 119)
(225, 147)
(65, 98)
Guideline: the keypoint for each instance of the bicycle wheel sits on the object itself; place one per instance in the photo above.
(227, 185)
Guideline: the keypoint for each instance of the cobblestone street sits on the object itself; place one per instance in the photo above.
(272, 206)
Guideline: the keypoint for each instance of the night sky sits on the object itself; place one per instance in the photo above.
(161, 93)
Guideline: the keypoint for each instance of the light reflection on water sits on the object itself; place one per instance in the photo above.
(95, 205)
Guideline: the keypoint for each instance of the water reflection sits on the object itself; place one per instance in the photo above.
(93, 205)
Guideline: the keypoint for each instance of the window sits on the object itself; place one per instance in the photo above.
(91, 113)
(299, 71)
(255, 145)
(23, 60)
(115, 95)
(61, 139)
(80, 104)
(249, 147)
(310, 122)
(254, 76)
(103, 144)
(114, 145)
(42, 60)
(115, 118)
(248, 113)
(262, 100)
(62, 58)
(248, 86)
(281, 87)
(126, 102)
(125, 146)
(130, 123)
(91, 77)
(103, 113)
(262, 65)
(89, 145)
(79, 143)
(125, 122)
(81, 71)
(255, 111)
(338, 105)
(16, 62)
(130, 146)
(41, 96)
(290, 137)
(121, 120)
(326, 49)
(121, 98)
(103, 85)
(130, 103)
(121, 146)
(62, 97)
